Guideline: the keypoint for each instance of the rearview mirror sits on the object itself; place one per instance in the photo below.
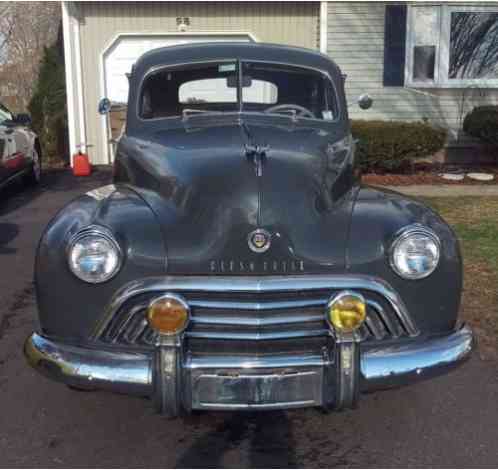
(365, 101)
(104, 106)
(232, 81)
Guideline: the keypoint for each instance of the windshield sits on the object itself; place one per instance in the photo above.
(232, 86)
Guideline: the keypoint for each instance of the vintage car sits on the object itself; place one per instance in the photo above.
(20, 151)
(236, 262)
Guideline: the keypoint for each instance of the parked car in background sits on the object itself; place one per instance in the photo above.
(237, 262)
(20, 151)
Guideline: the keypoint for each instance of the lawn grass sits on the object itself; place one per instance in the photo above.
(475, 220)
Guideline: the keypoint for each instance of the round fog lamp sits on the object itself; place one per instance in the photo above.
(169, 314)
(346, 312)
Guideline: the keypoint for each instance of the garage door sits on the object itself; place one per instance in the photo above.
(120, 57)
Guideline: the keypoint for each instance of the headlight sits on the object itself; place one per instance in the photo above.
(94, 255)
(415, 252)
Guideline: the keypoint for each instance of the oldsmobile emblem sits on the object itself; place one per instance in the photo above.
(259, 240)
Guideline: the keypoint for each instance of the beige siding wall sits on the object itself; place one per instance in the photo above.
(356, 42)
(294, 23)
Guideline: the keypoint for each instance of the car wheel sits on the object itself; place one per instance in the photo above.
(34, 176)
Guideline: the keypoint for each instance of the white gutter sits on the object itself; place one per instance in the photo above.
(323, 27)
(79, 85)
(66, 28)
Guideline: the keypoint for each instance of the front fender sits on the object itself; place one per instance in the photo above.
(69, 307)
(378, 215)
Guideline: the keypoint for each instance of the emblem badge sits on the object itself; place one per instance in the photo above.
(259, 240)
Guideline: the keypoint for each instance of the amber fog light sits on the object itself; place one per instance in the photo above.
(169, 314)
(346, 311)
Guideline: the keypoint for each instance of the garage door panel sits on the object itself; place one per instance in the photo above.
(120, 58)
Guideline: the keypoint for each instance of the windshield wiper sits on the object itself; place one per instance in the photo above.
(187, 112)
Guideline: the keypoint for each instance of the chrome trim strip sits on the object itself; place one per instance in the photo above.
(270, 305)
(233, 335)
(254, 362)
(391, 327)
(255, 285)
(240, 320)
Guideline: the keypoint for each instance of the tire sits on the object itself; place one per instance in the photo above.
(34, 175)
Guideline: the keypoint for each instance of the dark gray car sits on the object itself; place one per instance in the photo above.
(237, 262)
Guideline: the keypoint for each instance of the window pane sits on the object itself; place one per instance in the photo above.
(425, 39)
(424, 58)
(473, 45)
(426, 26)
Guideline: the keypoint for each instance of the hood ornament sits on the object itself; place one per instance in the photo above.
(259, 240)
(257, 153)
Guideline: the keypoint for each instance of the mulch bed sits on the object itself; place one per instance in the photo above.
(423, 177)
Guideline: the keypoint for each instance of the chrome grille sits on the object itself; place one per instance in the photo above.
(254, 316)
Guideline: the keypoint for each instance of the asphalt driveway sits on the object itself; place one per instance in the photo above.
(448, 422)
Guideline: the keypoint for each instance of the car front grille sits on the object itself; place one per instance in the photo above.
(237, 320)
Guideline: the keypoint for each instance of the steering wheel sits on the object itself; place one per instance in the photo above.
(301, 111)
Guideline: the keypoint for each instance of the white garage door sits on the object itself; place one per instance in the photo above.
(120, 57)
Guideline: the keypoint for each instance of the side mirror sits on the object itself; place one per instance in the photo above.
(365, 101)
(23, 120)
(104, 106)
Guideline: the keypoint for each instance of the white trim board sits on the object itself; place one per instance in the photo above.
(323, 27)
(68, 55)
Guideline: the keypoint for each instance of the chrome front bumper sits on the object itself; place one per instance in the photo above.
(180, 383)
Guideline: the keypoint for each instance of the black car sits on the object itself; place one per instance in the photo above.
(237, 262)
(20, 152)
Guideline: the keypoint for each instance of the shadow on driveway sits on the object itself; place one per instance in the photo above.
(8, 232)
(18, 195)
(265, 437)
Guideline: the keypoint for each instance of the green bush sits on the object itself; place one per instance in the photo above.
(48, 104)
(391, 146)
(482, 123)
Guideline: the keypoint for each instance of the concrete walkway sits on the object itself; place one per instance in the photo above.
(446, 190)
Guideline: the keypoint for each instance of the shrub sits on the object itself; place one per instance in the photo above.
(482, 123)
(48, 104)
(391, 146)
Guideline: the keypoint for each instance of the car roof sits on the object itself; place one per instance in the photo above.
(209, 51)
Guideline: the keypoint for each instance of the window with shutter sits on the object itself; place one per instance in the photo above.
(452, 46)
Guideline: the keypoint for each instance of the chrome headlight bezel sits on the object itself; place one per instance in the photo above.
(107, 236)
(412, 231)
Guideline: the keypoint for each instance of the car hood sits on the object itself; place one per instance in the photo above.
(210, 193)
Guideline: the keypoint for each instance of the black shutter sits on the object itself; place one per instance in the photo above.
(394, 45)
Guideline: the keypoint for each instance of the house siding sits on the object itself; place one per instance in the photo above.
(355, 40)
(293, 23)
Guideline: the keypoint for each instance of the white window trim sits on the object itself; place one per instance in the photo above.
(441, 66)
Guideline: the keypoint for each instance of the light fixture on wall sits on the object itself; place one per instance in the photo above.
(182, 23)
